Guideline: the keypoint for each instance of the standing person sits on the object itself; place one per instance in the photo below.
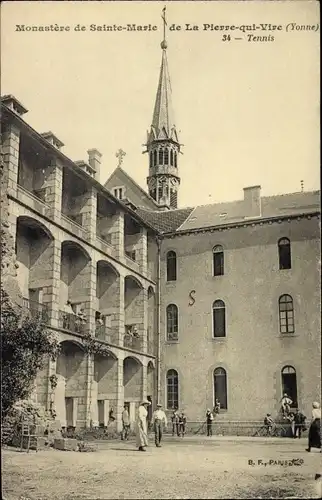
(111, 417)
(286, 404)
(209, 420)
(182, 424)
(141, 426)
(299, 423)
(217, 406)
(315, 428)
(159, 419)
(175, 423)
(125, 423)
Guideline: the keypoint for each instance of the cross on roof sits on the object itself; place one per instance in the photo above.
(119, 154)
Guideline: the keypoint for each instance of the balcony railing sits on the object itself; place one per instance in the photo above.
(106, 333)
(72, 322)
(133, 342)
(36, 310)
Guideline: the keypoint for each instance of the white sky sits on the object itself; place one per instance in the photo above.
(247, 112)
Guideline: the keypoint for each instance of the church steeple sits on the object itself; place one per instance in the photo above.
(162, 142)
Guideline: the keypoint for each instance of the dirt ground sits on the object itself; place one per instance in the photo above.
(192, 467)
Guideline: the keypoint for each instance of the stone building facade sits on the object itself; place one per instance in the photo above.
(195, 304)
(82, 263)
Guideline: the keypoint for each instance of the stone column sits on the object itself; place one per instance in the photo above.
(117, 235)
(51, 292)
(142, 251)
(54, 189)
(89, 211)
(90, 393)
(118, 318)
(144, 309)
(10, 151)
(145, 379)
(119, 393)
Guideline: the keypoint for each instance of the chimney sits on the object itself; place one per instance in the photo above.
(94, 160)
(52, 139)
(12, 103)
(252, 201)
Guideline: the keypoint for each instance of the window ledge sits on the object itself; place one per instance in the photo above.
(218, 275)
(172, 341)
(171, 282)
(220, 339)
(287, 335)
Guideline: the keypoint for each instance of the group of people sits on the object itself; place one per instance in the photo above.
(297, 422)
(179, 422)
(160, 422)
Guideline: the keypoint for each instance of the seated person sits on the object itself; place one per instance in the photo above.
(269, 423)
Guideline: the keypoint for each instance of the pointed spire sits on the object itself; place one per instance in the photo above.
(163, 125)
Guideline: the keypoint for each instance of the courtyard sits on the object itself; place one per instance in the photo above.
(190, 467)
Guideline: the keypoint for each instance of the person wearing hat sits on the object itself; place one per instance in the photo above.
(159, 419)
(286, 404)
(141, 426)
(209, 420)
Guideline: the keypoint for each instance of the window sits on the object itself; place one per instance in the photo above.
(289, 384)
(172, 322)
(118, 193)
(171, 157)
(155, 157)
(284, 253)
(218, 256)
(160, 156)
(171, 266)
(175, 160)
(219, 318)
(172, 389)
(166, 156)
(286, 313)
(151, 159)
(220, 387)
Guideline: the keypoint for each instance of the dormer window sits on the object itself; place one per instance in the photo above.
(119, 192)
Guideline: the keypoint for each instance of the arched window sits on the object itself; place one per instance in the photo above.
(218, 259)
(160, 156)
(220, 387)
(289, 384)
(284, 253)
(172, 390)
(286, 313)
(155, 157)
(175, 160)
(219, 318)
(171, 266)
(171, 157)
(151, 159)
(166, 156)
(172, 322)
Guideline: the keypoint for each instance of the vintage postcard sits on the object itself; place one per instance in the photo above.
(160, 244)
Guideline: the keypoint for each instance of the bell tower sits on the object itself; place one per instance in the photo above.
(163, 145)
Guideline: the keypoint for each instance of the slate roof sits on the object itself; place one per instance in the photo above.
(165, 221)
(217, 214)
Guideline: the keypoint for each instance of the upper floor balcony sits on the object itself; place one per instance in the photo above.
(36, 310)
(76, 323)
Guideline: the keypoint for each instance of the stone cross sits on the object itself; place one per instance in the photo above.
(119, 154)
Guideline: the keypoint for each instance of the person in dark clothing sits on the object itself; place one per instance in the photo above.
(209, 421)
(299, 423)
(175, 423)
(182, 424)
(315, 428)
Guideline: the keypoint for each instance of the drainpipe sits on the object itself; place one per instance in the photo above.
(158, 320)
